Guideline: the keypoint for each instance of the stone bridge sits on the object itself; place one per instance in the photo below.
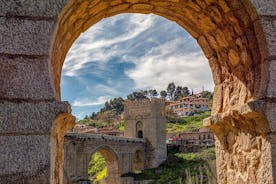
(122, 155)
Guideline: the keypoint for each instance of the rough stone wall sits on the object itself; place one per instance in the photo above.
(151, 114)
(119, 154)
(237, 37)
(28, 105)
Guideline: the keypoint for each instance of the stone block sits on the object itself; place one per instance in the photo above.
(25, 155)
(25, 78)
(271, 90)
(269, 27)
(45, 8)
(25, 37)
(32, 117)
(265, 7)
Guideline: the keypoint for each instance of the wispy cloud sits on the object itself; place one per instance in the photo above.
(95, 46)
(86, 102)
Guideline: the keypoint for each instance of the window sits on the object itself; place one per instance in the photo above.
(140, 134)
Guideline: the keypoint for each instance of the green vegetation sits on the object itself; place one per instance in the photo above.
(97, 168)
(182, 168)
(113, 108)
(188, 123)
(122, 126)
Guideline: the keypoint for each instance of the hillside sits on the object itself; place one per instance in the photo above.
(184, 168)
(188, 123)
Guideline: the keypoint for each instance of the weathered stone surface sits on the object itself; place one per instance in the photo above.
(265, 7)
(45, 8)
(25, 155)
(29, 117)
(270, 111)
(62, 123)
(242, 146)
(27, 37)
(271, 90)
(269, 27)
(25, 78)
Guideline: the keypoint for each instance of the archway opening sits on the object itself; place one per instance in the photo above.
(138, 161)
(155, 45)
(97, 169)
(155, 50)
(103, 167)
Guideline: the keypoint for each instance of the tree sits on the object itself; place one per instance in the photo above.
(152, 93)
(171, 90)
(163, 94)
(185, 91)
(178, 93)
(93, 116)
(116, 105)
(207, 94)
(137, 95)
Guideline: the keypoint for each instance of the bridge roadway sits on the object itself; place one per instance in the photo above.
(122, 155)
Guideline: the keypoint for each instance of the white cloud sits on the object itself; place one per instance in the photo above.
(86, 102)
(159, 67)
(93, 46)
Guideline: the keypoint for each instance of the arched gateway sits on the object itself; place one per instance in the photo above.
(237, 36)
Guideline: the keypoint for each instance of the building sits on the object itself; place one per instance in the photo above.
(192, 141)
(146, 119)
(189, 105)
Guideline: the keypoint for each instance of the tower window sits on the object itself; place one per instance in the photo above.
(140, 134)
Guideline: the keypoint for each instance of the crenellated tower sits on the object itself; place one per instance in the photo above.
(146, 119)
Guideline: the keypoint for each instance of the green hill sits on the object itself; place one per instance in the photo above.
(182, 168)
(188, 123)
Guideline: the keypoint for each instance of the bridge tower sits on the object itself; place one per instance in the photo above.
(146, 119)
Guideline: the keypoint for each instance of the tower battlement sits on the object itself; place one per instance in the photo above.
(144, 102)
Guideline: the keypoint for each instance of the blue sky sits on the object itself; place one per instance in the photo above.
(130, 52)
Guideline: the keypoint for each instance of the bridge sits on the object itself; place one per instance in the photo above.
(144, 147)
(122, 155)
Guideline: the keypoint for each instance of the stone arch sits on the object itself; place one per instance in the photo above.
(231, 37)
(61, 124)
(227, 32)
(112, 163)
(230, 32)
(138, 160)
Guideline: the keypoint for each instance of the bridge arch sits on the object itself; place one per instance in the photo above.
(112, 163)
(231, 37)
(138, 163)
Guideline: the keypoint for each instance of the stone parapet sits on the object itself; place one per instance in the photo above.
(130, 103)
(87, 136)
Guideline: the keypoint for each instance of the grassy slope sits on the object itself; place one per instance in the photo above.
(187, 123)
(181, 167)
